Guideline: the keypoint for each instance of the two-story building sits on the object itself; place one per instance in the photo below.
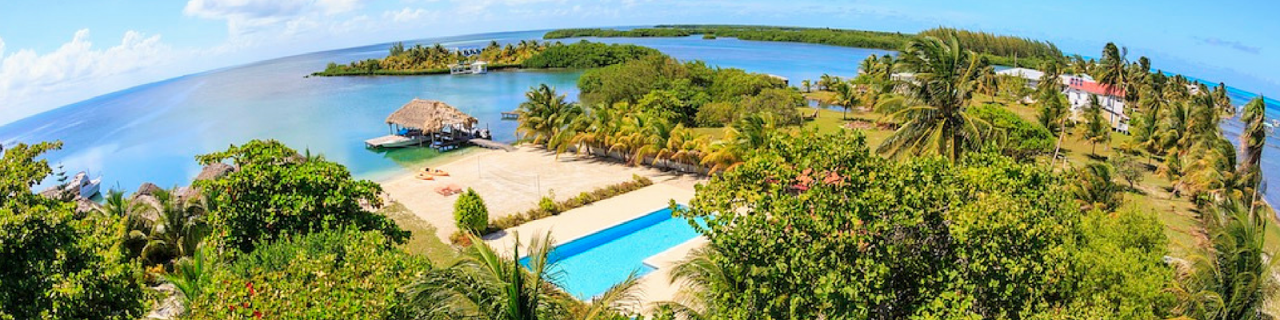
(1080, 88)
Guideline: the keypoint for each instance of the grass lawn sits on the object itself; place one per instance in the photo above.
(424, 240)
(1178, 214)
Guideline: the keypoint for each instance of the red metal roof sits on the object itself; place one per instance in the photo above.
(1094, 88)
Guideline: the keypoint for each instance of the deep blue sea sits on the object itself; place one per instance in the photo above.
(152, 133)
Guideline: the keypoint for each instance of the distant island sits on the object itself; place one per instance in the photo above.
(428, 60)
(998, 49)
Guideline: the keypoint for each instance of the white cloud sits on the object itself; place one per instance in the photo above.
(31, 82)
(249, 16)
(405, 15)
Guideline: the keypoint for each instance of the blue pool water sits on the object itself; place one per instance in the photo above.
(594, 263)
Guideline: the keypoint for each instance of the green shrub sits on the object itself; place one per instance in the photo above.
(332, 274)
(56, 263)
(548, 204)
(275, 192)
(1020, 139)
(469, 212)
(548, 207)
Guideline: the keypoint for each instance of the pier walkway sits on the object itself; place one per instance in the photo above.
(490, 144)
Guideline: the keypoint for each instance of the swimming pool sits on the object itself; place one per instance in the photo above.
(595, 262)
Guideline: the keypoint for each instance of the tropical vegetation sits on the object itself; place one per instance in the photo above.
(532, 54)
(984, 237)
(1004, 50)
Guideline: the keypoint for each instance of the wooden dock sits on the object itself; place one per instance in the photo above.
(390, 140)
(490, 144)
(510, 115)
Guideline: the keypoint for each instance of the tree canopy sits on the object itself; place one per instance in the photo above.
(818, 227)
(56, 263)
(276, 192)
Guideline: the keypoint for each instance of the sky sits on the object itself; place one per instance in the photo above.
(54, 53)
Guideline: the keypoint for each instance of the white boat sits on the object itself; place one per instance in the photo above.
(87, 187)
(394, 141)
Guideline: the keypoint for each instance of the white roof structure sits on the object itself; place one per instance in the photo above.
(1029, 74)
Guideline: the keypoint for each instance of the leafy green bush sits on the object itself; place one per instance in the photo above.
(56, 263)
(332, 274)
(548, 207)
(470, 212)
(922, 238)
(548, 204)
(716, 114)
(275, 191)
(1020, 139)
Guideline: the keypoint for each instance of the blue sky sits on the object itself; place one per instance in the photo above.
(53, 53)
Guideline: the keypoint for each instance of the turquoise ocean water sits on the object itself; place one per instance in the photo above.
(151, 133)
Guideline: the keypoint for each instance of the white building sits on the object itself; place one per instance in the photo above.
(1032, 76)
(1078, 91)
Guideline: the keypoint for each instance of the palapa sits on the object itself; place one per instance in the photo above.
(430, 116)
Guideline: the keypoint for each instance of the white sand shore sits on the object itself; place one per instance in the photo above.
(512, 182)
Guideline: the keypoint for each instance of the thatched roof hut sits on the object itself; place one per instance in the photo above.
(430, 116)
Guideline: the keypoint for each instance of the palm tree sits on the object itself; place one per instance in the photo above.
(1096, 130)
(1095, 189)
(700, 277)
(191, 274)
(540, 114)
(684, 146)
(1232, 280)
(1112, 73)
(652, 134)
(846, 97)
(804, 84)
(747, 133)
(943, 85)
(826, 81)
(138, 227)
(1253, 140)
(988, 82)
(488, 285)
(178, 230)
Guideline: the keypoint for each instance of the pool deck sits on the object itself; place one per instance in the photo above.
(512, 182)
(598, 216)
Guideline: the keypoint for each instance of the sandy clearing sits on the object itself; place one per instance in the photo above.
(512, 182)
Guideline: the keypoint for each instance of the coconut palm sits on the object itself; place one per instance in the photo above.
(1253, 139)
(652, 134)
(943, 85)
(1096, 130)
(699, 276)
(117, 206)
(805, 85)
(597, 128)
(988, 83)
(1095, 189)
(191, 274)
(685, 146)
(826, 81)
(846, 97)
(748, 133)
(541, 114)
(178, 230)
(1232, 280)
(488, 285)
(1112, 73)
